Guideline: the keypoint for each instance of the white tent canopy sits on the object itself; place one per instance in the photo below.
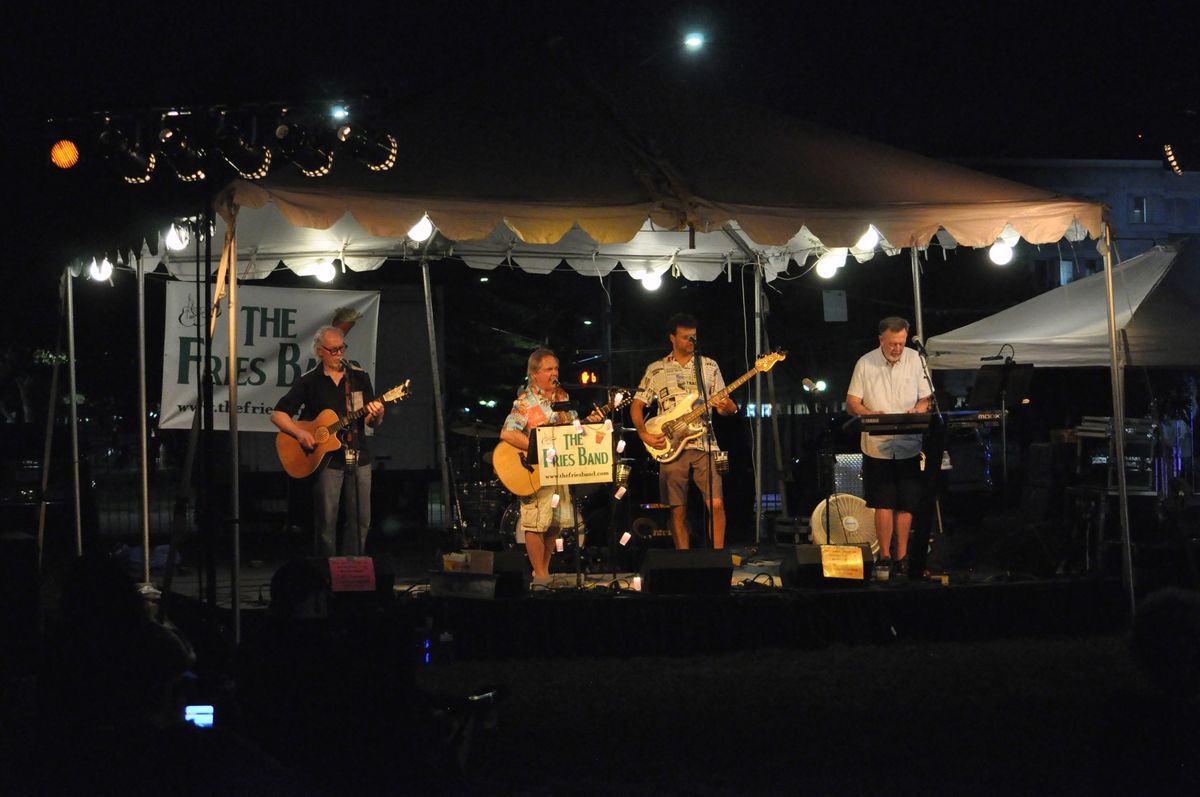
(1068, 326)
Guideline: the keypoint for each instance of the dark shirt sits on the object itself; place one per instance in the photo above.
(315, 391)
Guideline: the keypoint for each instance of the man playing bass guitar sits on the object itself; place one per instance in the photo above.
(669, 381)
(335, 384)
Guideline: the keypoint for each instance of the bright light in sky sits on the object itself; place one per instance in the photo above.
(693, 41)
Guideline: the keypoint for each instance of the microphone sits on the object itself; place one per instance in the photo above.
(992, 358)
(920, 347)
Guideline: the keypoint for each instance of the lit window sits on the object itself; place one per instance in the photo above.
(1140, 210)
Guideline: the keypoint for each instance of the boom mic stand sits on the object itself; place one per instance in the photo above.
(702, 389)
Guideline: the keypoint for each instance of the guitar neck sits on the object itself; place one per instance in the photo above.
(695, 414)
(351, 417)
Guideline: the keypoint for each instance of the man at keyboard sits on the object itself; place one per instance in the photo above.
(890, 379)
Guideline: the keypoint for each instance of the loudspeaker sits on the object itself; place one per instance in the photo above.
(513, 573)
(808, 566)
(692, 572)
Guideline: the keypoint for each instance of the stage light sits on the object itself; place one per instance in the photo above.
(251, 163)
(421, 231)
(821, 385)
(325, 271)
(829, 263)
(301, 148)
(339, 112)
(587, 322)
(1001, 253)
(184, 158)
(868, 241)
(694, 41)
(64, 154)
(376, 151)
(652, 281)
(177, 237)
(136, 168)
(101, 271)
(1169, 155)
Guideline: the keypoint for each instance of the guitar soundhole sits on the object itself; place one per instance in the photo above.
(321, 435)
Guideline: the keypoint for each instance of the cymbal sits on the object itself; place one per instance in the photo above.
(476, 429)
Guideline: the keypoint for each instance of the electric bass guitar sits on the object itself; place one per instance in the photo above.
(682, 422)
(299, 462)
(522, 477)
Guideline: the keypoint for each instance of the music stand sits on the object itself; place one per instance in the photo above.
(1002, 387)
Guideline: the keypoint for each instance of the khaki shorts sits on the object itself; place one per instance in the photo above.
(538, 515)
(673, 477)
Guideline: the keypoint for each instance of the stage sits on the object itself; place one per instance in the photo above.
(597, 615)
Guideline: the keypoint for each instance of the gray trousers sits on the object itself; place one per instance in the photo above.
(331, 488)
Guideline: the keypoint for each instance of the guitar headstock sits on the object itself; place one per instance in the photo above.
(618, 399)
(398, 393)
(767, 361)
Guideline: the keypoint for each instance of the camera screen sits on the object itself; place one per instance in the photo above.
(200, 716)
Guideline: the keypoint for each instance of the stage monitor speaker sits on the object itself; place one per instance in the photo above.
(513, 573)
(827, 566)
(692, 572)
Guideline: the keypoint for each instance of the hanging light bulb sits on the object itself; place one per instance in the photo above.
(1000, 253)
(869, 240)
(421, 231)
(177, 237)
(829, 263)
(325, 272)
(652, 281)
(100, 271)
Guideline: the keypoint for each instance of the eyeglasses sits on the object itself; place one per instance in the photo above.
(334, 349)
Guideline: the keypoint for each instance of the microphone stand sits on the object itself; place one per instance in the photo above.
(931, 480)
(708, 440)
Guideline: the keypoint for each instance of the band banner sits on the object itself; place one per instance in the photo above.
(275, 327)
(581, 455)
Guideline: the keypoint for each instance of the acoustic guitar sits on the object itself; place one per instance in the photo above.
(682, 422)
(300, 463)
(522, 477)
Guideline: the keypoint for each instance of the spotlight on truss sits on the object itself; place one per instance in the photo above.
(376, 150)
(135, 167)
(250, 162)
(185, 158)
(300, 146)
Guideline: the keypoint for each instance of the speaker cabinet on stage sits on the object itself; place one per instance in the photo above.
(827, 566)
(692, 572)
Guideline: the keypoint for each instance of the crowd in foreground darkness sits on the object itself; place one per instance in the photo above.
(318, 700)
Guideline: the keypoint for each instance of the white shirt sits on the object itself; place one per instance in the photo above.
(887, 387)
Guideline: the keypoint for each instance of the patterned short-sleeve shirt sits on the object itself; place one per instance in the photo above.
(668, 382)
(532, 408)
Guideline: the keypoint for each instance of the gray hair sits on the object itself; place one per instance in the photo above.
(321, 333)
(536, 357)
(893, 323)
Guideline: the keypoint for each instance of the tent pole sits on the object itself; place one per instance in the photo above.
(758, 458)
(143, 459)
(70, 278)
(438, 410)
(231, 376)
(916, 277)
(1118, 422)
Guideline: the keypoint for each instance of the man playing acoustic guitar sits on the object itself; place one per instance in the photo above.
(336, 385)
(669, 381)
